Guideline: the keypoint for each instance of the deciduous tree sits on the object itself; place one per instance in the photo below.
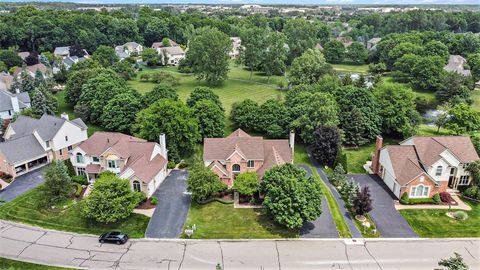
(326, 143)
(309, 67)
(202, 183)
(120, 111)
(210, 118)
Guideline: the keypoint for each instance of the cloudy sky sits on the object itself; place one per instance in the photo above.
(306, 2)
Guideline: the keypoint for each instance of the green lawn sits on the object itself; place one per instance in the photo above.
(239, 72)
(357, 157)
(435, 223)
(19, 265)
(25, 209)
(231, 91)
(216, 220)
(350, 68)
(63, 107)
(476, 99)
(301, 157)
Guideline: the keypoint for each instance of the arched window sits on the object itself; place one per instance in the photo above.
(236, 168)
(136, 186)
(439, 171)
(79, 158)
(420, 191)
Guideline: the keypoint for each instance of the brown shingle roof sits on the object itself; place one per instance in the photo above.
(430, 148)
(406, 165)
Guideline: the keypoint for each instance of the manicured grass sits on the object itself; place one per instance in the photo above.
(366, 232)
(240, 72)
(216, 220)
(231, 91)
(435, 223)
(426, 130)
(351, 68)
(476, 99)
(26, 209)
(63, 107)
(19, 265)
(428, 95)
(301, 157)
(357, 157)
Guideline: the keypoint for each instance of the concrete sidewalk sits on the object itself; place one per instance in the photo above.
(26, 243)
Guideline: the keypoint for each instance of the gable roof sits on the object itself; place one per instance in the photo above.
(21, 149)
(157, 45)
(405, 163)
(47, 126)
(175, 50)
(62, 50)
(6, 100)
(32, 69)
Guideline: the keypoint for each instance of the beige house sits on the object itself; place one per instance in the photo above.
(143, 163)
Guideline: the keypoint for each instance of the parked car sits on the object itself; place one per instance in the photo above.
(113, 237)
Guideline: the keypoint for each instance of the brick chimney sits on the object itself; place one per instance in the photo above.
(376, 155)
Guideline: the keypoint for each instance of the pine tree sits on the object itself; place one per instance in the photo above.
(43, 102)
(27, 84)
(39, 79)
(355, 129)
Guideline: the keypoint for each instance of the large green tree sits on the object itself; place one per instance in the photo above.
(174, 119)
(244, 114)
(309, 67)
(334, 51)
(357, 53)
(76, 80)
(202, 183)
(253, 47)
(105, 55)
(208, 51)
(211, 118)
(120, 111)
(275, 54)
(203, 93)
(158, 92)
(462, 119)
(301, 35)
(57, 186)
(291, 197)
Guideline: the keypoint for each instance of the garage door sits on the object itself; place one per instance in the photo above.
(396, 189)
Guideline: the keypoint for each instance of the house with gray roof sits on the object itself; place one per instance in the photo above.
(172, 55)
(32, 143)
(12, 103)
(62, 52)
(455, 64)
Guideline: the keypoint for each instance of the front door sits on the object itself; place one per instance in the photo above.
(451, 179)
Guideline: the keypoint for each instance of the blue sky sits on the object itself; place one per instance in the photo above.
(300, 2)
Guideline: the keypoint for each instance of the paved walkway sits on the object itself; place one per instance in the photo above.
(388, 220)
(21, 184)
(461, 205)
(37, 245)
(323, 226)
(172, 208)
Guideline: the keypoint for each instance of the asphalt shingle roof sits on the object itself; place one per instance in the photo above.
(21, 149)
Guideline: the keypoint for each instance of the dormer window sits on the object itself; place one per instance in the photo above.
(250, 164)
(439, 171)
(79, 157)
(113, 164)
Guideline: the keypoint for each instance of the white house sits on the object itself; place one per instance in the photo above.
(424, 166)
(236, 45)
(127, 49)
(32, 143)
(173, 54)
(143, 163)
(12, 103)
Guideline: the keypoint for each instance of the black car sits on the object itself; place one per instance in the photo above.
(113, 237)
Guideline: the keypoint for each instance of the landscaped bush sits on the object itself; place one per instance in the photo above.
(6, 177)
(436, 198)
(446, 197)
(160, 77)
(71, 170)
(153, 200)
(405, 199)
(171, 165)
(78, 190)
(460, 215)
(80, 179)
(472, 192)
(421, 201)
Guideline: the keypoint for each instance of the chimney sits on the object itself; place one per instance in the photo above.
(291, 140)
(163, 145)
(376, 155)
(15, 105)
(64, 115)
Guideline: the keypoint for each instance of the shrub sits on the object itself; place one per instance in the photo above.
(472, 192)
(436, 198)
(446, 197)
(203, 183)
(405, 198)
(154, 200)
(78, 190)
(171, 165)
(6, 177)
(183, 165)
(246, 183)
(460, 215)
(421, 201)
(71, 170)
(80, 179)
(363, 202)
(140, 197)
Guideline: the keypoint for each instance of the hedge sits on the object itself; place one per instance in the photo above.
(217, 200)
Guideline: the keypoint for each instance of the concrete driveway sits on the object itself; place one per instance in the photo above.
(22, 184)
(172, 208)
(388, 220)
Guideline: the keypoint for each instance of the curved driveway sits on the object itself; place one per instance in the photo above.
(37, 245)
(22, 184)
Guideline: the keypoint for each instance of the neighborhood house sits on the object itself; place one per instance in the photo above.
(143, 163)
(424, 166)
(30, 70)
(173, 53)
(12, 103)
(32, 143)
(236, 45)
(240, 152)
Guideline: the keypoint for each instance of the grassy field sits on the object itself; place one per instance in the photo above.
(301, 157)
(8, 264)
(357, 157)
(435, 223)
(350, 68)
(231, 91)
(216, 220)
(63, 107)
(26, 209)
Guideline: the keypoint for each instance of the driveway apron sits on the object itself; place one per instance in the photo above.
(22, 184)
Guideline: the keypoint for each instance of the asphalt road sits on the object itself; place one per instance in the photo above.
(388, 220)
(33, 244)
(22, 184)
(172, 208)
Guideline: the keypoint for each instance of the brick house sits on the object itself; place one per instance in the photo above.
(143, 163)
(240, 152)
(32, 143)
(423, 166)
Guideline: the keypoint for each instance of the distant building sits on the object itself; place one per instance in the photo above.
(455, 64)
(236, 46)
(31, 70)
(372, 43)
(12, 103)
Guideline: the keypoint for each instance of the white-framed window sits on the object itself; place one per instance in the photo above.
(439, 171)
(95, 159)
(113, 164)
(250, 164)
(419, 191)
(81, 171)
(464, 180)
(70, 148)
(236, 168)
(465, 165)
(79, 157)
(136, 186)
